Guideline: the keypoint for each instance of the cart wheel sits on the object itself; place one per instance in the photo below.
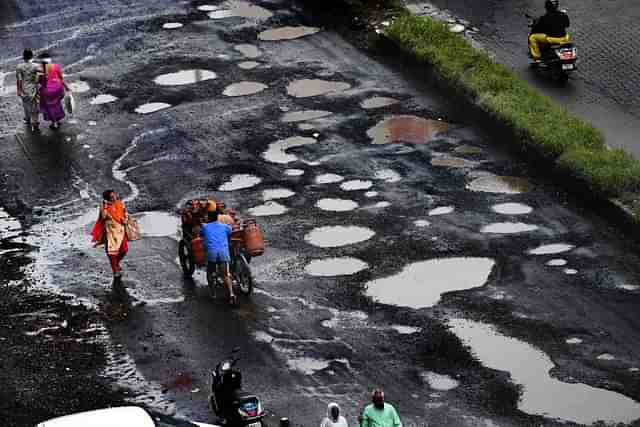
(243, 275)
(187, 262)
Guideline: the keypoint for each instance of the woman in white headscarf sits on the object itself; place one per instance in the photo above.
(333, 418)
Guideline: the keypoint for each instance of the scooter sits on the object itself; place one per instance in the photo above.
(559, 60)
(227, 400)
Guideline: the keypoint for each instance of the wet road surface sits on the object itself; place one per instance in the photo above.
(404, 250)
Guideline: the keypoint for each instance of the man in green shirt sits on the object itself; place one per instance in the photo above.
(379, 413)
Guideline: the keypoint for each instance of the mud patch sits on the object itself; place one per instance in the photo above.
(499, 184)
(406, 129)
(335, 266)
(336, 205)
(421, 284)
(184, 77)
(377, 102)
(287, 33)
(299, 116)
(306, 88)
(276, 153)
(512, 209)
(339, 235)
(244, 89)
(508, 228)
(356, 184)
(269, 208)
(152, 107)
(239, 182)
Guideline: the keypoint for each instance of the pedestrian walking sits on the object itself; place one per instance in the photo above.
(379, 413)
(27, 75)
(52, 91)
(333, 418)
(110, 230)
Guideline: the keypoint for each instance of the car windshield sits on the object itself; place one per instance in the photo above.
(161, 420)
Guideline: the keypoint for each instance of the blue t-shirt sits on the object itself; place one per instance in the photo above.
(216, 241)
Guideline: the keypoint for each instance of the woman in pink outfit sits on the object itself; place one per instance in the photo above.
(52, 91)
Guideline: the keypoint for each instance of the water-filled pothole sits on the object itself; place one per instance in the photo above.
(248, 50)
(421, 284)
(276, 153)
(239, 182)
(328, 178)
(409, 129)
(468, 149)
(336, 205)
(299, 116)
(512, 209)
(306, 88)
(335, 266)
(557, 262)
(338, 235)
(377, 102)
(447, 161)
(248, 65)
(294, 172)
(242, 9)
(207, 8)
(103, 99)
(172, 25)
(152, 107)
(158, 224)
(287, 33)
(388, 175)
(406, 330)
(554, 248)
(439, 382)
(269, 208)
(499, 184)
(244, 88)
(541, 393)
(277, 193)
(508, 228)
(421, 223)
(442, 210)
(356, 184)
(371, 194)
(79, 86)
(184, 77)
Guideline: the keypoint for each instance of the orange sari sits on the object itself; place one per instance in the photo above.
(109, 228)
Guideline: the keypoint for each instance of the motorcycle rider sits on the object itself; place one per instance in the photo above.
(551, 28)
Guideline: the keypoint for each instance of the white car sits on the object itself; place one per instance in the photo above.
(125, 416)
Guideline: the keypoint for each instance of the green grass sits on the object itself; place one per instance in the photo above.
(540, 124)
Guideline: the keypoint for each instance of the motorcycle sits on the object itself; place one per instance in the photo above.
(559, 60)
(227, 400)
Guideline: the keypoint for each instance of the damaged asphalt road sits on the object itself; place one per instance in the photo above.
(405, 250)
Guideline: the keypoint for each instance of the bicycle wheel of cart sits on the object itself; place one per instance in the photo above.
(187, 262)
(244, 278)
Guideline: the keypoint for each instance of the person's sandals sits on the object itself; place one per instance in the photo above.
(233, 300)
(35, 128)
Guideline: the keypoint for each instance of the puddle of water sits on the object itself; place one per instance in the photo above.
(499, 184)
(207, 8)
(287, 33)
(377, 102)
(248, 65)
(307, 365)
(634, 369)
(294, 172)
(409, 129)
(371, 194)
(306, 126)
(421, 223)
(184, 77)
(447, 161)
(242, 9)
(557, 262)
(421, 284)
(339, 235)
(172, 25)
(555, 248)
(439, 382)
(388, 175)
(103, 99)
(92, 123)
(508, 228)
(335, 266)
(9, 226)
(79, 86)
(277, 193)
(512, 209)
(276, 153)
(442, 210)
(383, 204)
(158, 224)
(248, 50)
(261, 336)
(356, 184)
(239, 182)
(336, 205)
(542, 394)
(573, 341)
(628, 287)
(328, 178)
(468, 149)
(151, 107)
(244, 89)
(406, 330)
(570, 271)
(306, 88)
(268, 209)
(299, 116)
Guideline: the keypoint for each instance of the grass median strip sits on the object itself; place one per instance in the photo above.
(576, 147)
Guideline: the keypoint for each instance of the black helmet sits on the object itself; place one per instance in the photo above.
(551, 4)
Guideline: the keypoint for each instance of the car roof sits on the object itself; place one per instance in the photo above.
(125, 416)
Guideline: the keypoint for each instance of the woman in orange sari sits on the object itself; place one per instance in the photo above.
(110, 230)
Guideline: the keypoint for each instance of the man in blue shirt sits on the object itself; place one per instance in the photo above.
(216, 242)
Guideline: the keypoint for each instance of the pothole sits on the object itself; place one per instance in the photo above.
(276, 153)
(421, 223)
(371, 194)
(406, 330)
(239, 182)
(103, 99)
(294, 172)
(329, 178)
(244, 89)
(306, 88)
(338, 235)
(447, 161)
(248, 65)
(184, 77)
(573, 341)
(248, 50)
(79, 86)
(242, 9)
(335, 266)
(158, 224)
(299, 116)
(557, 262)
(381, 205)
(377, 102)
(554, 248)
(152, 107)
(512, 209)
(287, 33)
(356, 184)
(499, 184)
(269, 208)
(421, 284)
(407, 129)
(207, 8)
(508, 228)
(172, 25)
(277, 193)
(388, 175)
(442, 210)
(439, 382)
(336, 205)
(468, 149)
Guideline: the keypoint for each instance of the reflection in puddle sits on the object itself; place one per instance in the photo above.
(287, 33)
(356, 184)
(421, 284)
(442, 210)
(269, 208)
(152, 107)
(172, 25)
(103, 99)
(377, 102)
(294, 172)
(184, 77)
(238, 182)
(555, 248)
(410, 129)
(439, 382)
(339, 235)
(244, 88)
(336, 205)
(452, 162)
(158, 224)
(557, 262)
(277, 193)
(248, 50)
(406, 330)
(499, 184)
(335, 266)
(276, 153)
(248, 65)
(508, 228)
(542, 394)
(79, 86)
(388, 175)
(299, 116)
(313, 87)
(512, 209)
(328, 178)
(573, 341)
(242, 9)
(421, 223)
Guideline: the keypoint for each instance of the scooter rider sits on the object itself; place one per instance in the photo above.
(551, 28)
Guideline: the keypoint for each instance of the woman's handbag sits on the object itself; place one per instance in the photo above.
(132, 229)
